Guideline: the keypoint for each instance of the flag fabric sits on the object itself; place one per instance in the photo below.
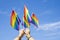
(34, 20)
(14, 20)
(26, 18)
(26, 14)
(26, 23)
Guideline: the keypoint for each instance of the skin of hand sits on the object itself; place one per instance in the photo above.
(31, 38)
(27, 32)
(17, 38)
(21, 33)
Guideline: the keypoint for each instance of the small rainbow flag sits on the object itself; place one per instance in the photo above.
(26, 18)
(34, 20)
(14, 20)
(26, 23)
(26, 14)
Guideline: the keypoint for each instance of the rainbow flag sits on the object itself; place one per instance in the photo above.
(26, 14)
(34, 20)
(26, 23)
(14, 20)
(26, 18)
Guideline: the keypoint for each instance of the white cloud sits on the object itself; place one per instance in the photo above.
(51, 34)
(50, 26)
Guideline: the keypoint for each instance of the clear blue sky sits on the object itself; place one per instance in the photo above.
(47, 11)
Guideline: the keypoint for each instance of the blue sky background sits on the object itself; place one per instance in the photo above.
(47, 11)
